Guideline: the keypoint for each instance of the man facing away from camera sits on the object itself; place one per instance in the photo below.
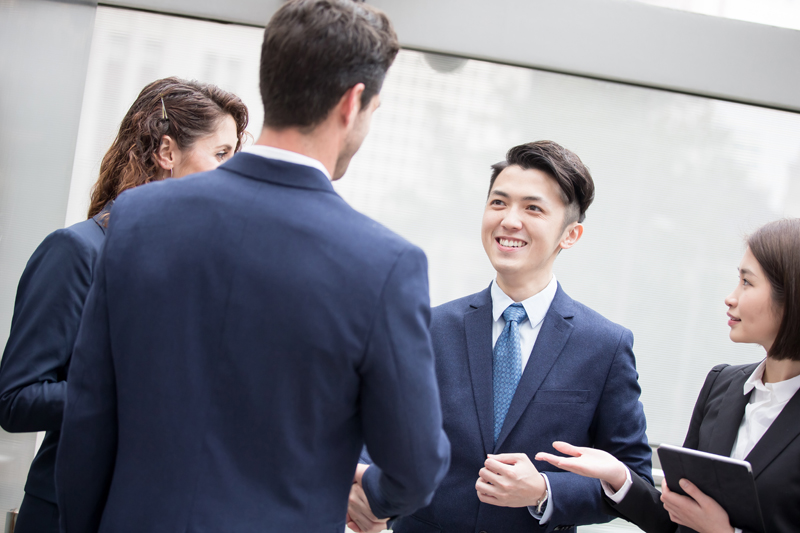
(248, 331)
(521, 364)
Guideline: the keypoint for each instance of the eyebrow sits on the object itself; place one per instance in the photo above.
(526, 198)
(745, 272)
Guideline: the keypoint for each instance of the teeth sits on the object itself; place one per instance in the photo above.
(511, 244)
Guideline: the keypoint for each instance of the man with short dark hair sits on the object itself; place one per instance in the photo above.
(521, 364)
(248, 331)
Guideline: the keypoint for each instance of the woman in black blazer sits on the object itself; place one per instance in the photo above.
(174, 128)
(748, 412)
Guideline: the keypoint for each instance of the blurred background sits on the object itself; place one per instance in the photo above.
(686, 112)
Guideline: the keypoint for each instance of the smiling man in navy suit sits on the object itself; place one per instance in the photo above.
(521, 364)
(248, 331)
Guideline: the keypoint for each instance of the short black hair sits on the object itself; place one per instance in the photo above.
(572, 176)
(314, 51)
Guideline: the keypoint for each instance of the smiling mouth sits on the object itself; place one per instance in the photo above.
(510, 243)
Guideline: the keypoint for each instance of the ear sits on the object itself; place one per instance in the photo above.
(571, 235)
(167, 154)
(350, 104)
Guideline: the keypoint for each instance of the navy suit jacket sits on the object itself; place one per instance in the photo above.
(47, 312)
(714, 426)
(580, 386)
(246, 333)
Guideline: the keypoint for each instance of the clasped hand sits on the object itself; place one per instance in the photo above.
(359, 515)
(510, 480)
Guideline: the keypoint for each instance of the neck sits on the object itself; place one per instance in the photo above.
(320, 143)
(522, 289)
(782, 370)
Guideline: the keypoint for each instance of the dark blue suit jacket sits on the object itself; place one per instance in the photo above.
(47, 312)
(247, 332)
(580, 386)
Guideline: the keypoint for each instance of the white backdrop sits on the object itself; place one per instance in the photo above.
(680, 179)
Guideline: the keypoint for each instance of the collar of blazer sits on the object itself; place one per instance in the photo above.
(278, 172)
(553, 335)
(782, 431)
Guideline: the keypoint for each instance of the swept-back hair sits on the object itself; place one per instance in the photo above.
(573, 178)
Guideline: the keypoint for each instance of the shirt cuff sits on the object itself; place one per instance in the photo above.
(548, 506)
(618, 496)
(737, 530)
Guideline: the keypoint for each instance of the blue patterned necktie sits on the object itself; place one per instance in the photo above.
(507, 364)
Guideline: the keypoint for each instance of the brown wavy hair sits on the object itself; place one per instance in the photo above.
(193, 110)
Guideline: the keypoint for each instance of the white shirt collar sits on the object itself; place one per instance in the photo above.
(783, 390)
(270, 152)
(535, 307)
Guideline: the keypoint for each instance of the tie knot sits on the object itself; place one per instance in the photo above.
(515, 313)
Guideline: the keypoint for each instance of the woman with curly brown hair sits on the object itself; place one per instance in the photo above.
(174, 128)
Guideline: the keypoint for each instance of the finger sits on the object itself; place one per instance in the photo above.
(509, 458)
(485, 488)
(489, 477)
(502, 469)
(692, 490)
(351, 525)
(568, 449)
(554, 460)
(359, 473)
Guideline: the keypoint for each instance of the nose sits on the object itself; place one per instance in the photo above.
(731, 300)
(512, 220)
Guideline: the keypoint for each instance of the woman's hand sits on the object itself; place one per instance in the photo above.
(699, 512)
(588, 462)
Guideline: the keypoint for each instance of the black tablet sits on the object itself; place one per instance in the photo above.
(728, 481)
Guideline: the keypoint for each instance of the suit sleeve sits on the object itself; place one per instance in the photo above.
(88, 444)
(642, 505)
(47, 312)
(400, 407)
(618, 428)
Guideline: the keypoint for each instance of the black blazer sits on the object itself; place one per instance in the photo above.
(47, 312)
(715, 423)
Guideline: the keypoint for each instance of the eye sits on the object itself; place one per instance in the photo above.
(535, 208)
(745, 282)
(497, 202)
(222, 155)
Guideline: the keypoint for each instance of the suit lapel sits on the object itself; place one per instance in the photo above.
(478, 328)
(552, 337)
(782, 431)
(731, 412)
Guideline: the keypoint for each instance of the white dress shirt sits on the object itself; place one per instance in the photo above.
(764, 406)
(270, 152)
(536, 308)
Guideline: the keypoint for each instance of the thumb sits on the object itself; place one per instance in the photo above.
(691, 489)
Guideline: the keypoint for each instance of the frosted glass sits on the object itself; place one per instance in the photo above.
(680, 179)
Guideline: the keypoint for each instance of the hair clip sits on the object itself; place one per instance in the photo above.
(163, 110)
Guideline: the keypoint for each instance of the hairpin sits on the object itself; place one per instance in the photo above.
(163, 110)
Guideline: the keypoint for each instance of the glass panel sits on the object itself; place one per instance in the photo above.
(781, 13)
(680, 180)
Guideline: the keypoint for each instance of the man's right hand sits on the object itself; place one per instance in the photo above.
(359, 515)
